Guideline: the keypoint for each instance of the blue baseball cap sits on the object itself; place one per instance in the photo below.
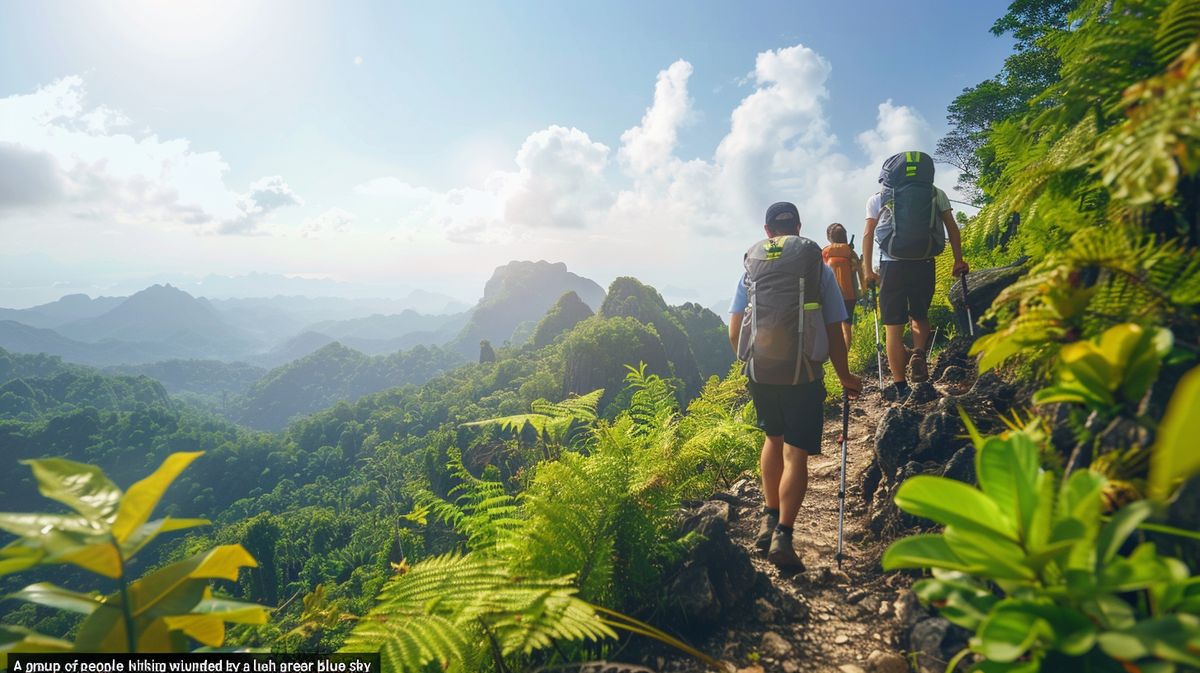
(783, 215)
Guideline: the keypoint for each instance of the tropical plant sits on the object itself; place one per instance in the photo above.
(160, 611)
(1039, 576)
(1111, 373)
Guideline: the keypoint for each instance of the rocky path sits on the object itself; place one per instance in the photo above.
(857, 619)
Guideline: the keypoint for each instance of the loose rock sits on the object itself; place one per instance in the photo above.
(886, 662)
(775, 645)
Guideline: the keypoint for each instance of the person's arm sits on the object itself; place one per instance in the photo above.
(952, 233)
(869, 274)
(833, 311)
(735, 330)
(841, 364)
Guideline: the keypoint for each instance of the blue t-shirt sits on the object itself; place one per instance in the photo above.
(833, 307)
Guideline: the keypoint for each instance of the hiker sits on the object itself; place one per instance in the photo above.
(785, 320)
(839, 255)
(910, 219)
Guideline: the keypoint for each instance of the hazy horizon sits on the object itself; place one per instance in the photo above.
(379, 149)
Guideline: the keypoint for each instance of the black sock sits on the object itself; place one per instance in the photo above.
(901, 386)
(784, 529)
(771, 511)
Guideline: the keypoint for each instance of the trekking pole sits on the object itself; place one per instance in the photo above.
(842, 485)
(878, 343)
(967, 305)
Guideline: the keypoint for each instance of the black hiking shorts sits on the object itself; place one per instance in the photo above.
(796, 412)
(905, 290)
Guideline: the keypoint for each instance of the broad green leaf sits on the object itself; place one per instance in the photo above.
(20, 640)
(1085, 363)
(15, 558)
(219, 563)
(1110, 612)
(1175, 457)
(1173, 638)
(1006, 635)
(1008, 469)
(1042, 522)
(208, 629)
(35, 525)
(175, 590)
(1066, 534)
(234, 612)
(101, 558)
(82, 487)
(141, 498)
(1068, 631)
(51, 596)
(921, 551)
(989, 555)
(152, 529)
(953, 503)
(1118, 529)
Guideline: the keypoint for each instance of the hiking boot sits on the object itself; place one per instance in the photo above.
(763, 541)
(896, 393)
(920, 370)
(782, 553)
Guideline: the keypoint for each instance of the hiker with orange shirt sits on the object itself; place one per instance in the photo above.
(847, 268)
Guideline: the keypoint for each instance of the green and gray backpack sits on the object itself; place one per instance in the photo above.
(783, 339)
(910, 226)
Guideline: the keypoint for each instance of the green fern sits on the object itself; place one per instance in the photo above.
(1178, 27)
(458, 611)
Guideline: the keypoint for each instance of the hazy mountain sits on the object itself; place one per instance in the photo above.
(567, 312)
(163, 313)
(203, 377)
(20, 338)
(333, 374)
(385, 327)
(69, 308)
(293, 349)
(520, 292)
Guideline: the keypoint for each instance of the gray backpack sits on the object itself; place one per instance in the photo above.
(910, 226)
(783, 339)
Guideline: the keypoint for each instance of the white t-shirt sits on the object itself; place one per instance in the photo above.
(875, 204)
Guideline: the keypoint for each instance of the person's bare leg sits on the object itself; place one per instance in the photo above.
(846, 333)
(793, 485)
(920, 330)
(897, 358)
(771, 464)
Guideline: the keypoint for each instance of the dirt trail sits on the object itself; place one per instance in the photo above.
(855, 620)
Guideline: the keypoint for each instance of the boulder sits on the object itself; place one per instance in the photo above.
(925, 640)
(716, 580)
(940, 433)
(886, 662)
(989, 387)
(983, 287)
(961, 465)
(935, 641)
(775, 645)
(896, 438)
(955, 354)
(870, 481)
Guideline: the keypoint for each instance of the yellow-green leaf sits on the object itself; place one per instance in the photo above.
(49, 595)
(208, 629)
(150, 530)
(82, 487)
(141, 499)
(1175, 457)
(101, 558)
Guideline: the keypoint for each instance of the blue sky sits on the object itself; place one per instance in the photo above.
(390, 145)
